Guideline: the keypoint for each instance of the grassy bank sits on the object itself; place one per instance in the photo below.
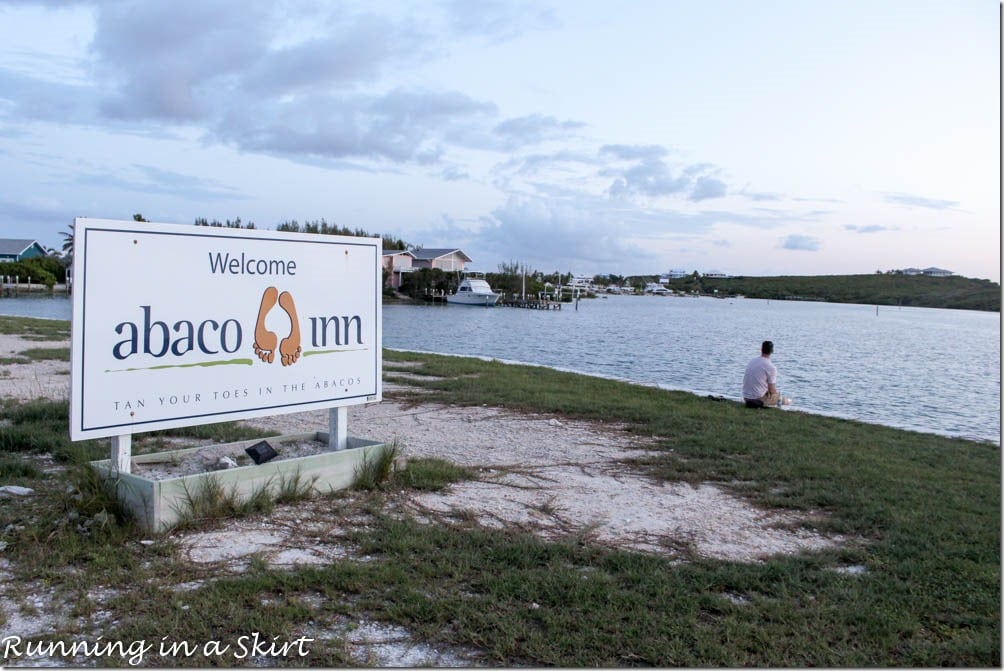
(917, 582)
(962, 293)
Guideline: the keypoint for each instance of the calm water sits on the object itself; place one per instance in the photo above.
(929, 370)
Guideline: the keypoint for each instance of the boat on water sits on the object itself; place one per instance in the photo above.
(473, 290)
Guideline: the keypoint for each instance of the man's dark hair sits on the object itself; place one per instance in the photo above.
(767, 347)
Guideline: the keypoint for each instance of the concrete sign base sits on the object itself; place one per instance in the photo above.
(160, 504)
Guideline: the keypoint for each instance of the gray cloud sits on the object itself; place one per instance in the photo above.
(200, 50)
(648, 177)
(707, 187)
(359, 53)
(400, 126)
(800, 243)
(655, 178)
(920, 201)
(235, 67)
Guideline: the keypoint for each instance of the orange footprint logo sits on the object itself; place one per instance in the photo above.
(265, 341)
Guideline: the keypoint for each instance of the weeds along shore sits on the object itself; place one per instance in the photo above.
(914, 581)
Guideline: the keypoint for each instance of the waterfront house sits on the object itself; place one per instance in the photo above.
(396, 262)
(937, 272)
(715, 274)
(444, 259)
(912, 271)
(18, 250)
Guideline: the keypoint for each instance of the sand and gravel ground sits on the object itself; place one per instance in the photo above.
(546, 474)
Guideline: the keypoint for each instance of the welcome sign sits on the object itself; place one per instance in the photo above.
(178, 325)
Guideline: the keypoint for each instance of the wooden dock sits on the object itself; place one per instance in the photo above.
(530, 304)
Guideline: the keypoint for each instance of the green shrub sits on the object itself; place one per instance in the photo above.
(36, 269)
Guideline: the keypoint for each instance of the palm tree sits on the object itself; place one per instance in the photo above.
(68, 242)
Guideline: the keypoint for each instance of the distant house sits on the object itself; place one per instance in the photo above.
(444, 259)
(397, 262)
(715, 274)
(19, 250)
(937, 272)
(677, 274)
(912, 271)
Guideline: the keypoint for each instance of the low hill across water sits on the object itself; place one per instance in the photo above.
(956, 292)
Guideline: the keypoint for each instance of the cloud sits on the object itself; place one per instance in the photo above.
(707, 187)
(200, 53)
(920, 201)
(872, 228)
(758, 196)
(648, 177)
(634, 152)
(534, 129)
(647, 174)
(563, 160)
(452, 173)
(400, 126)
(800, 243)
(302, 82)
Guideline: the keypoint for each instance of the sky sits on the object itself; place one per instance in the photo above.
(752, 138)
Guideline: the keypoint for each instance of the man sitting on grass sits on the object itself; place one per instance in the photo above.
(760, 380)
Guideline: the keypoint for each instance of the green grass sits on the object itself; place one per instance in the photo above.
(35, 329)
(38, 354)
(375, 468)
(920, 513)
(431, 475)
(926, 508)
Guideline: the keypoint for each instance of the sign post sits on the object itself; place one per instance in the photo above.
(122, 453)
(181, 325)
(338, 428)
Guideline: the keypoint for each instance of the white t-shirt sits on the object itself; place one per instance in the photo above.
(759, 372)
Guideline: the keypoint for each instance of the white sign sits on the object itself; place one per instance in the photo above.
(177, 325)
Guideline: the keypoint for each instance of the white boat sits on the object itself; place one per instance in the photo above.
(473, 290)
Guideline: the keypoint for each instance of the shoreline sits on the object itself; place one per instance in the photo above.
(994, 441)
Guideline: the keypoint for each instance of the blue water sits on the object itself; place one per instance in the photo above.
(46, 307)
(936, 371)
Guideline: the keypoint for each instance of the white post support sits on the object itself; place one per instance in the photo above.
(338, 428)
(122, 453)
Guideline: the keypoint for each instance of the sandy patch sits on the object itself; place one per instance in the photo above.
(556, 476)
(34, 380)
